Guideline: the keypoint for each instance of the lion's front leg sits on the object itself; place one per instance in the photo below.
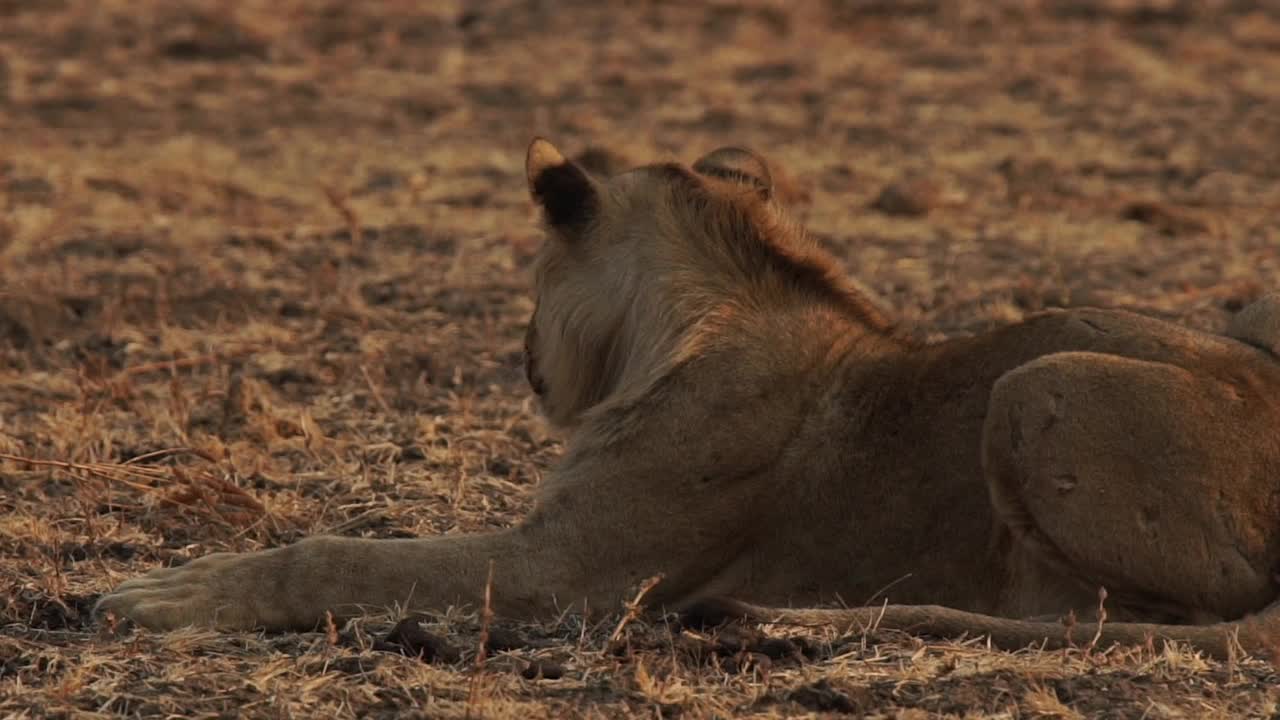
(662, 496)
(294, 586)
(590, 544)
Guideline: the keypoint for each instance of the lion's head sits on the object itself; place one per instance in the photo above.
(643, 269)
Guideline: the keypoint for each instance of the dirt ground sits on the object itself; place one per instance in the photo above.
(274, 254)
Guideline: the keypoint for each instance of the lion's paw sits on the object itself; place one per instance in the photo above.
(223, 590)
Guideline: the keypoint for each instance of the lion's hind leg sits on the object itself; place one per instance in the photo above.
(1140, 477)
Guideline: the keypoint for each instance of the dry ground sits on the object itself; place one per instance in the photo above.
(290, 237)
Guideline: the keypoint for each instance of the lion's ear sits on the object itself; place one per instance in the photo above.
(738, 165)
(566, 193)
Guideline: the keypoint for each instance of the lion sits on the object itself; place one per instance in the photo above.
(743, 422)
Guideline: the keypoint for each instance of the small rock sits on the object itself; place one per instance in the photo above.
(504, 639)
(499, 467)
(32, 190)
(542, 670)
(914, 198)
(410, 453)
(745, 662)
(810, 649)
(733, 640)
(821, 696)
(408, 638)
(1168, 219)
(776, 648)
(115, 187)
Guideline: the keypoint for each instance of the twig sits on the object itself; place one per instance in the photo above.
(634, 607)
(170, 365)
(1236, 651)
(200, 494)
(364, 519)
(340, 202)
(189, 491)
(874, 625)
(373, 388)
(330, 629)
(486, 616)
(167, 452)
(1069, 626)
(123, 376)
(1102, 619)
(885, 589)
(70, 467)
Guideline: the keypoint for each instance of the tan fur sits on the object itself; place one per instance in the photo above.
(741, 420)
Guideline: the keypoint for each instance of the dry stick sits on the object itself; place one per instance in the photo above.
(331, 639)
(634, 607)
(368, 517)
(340, 202)
(1234, 650)
(91, 469)
(373, 388)
(145, 472)
(875, 624)
(486, 616)
(89, 496)
(1102, 619)
(253, 525)
(59, 584)
(885, 589)
(175, 364)
(201, 495)
(1069, 626)
(117, 472)
(330, 630)
(122, 378)
(167, 452)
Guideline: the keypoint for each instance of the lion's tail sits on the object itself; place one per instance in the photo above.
(1257, 634)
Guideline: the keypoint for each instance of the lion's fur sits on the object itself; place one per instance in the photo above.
(745, 422)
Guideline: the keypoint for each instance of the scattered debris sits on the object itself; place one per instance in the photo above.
(409, 638)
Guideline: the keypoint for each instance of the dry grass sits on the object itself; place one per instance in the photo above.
(289, 238)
